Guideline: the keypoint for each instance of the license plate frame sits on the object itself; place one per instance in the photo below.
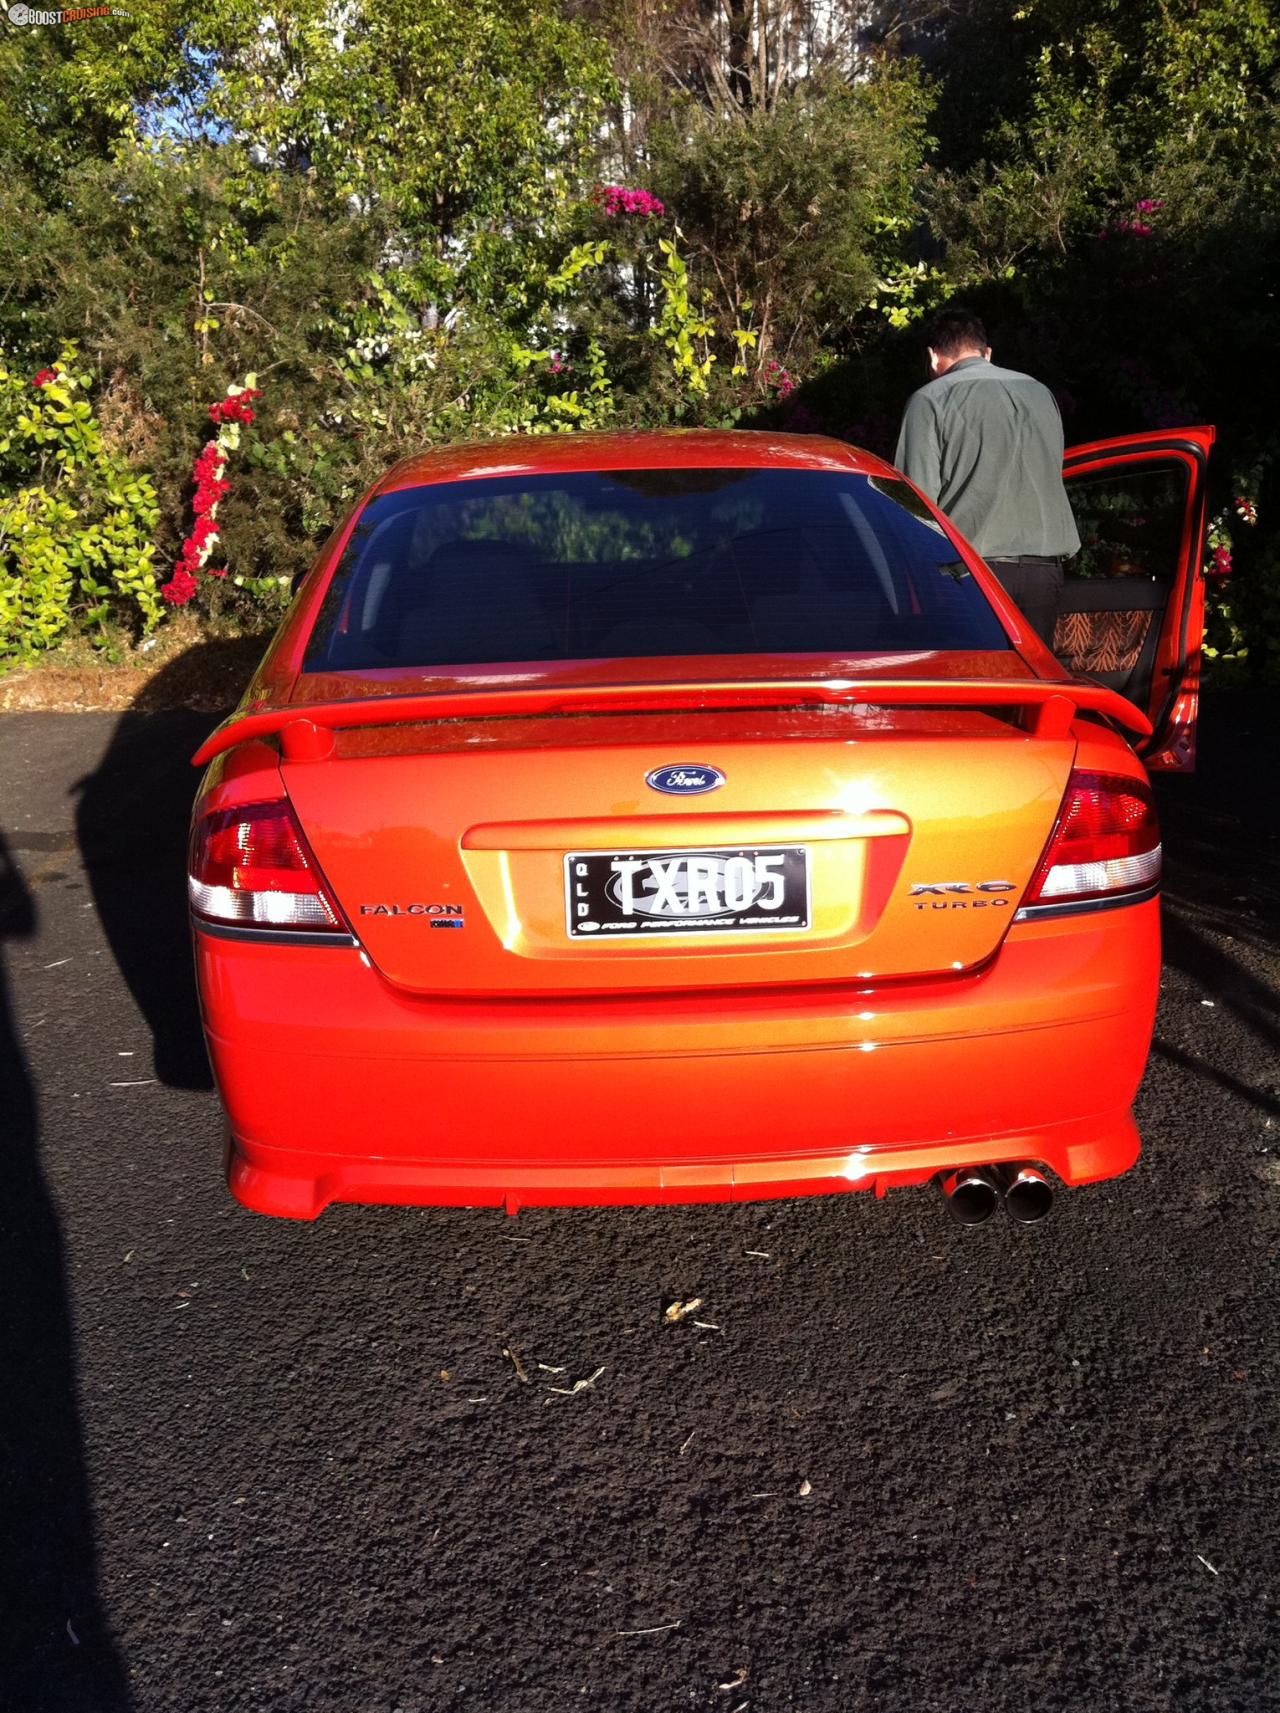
(594, 913)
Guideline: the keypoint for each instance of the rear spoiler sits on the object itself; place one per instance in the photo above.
(305, 729)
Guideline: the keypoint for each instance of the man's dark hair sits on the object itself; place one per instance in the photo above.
(954, 330)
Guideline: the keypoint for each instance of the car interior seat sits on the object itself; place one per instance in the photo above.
(475, 601)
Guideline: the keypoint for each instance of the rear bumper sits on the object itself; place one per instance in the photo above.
(340, 1088)
(298, 1185)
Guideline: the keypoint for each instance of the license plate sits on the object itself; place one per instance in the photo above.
(629, 894)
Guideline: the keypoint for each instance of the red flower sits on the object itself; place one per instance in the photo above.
(237, 407)
(44, 378)
(210, 490)
(1221, 565)
(179, 589)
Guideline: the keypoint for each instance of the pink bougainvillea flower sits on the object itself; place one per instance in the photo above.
(1221, 565)
(44, 378)
(1125, 229)
(179, 589)
(616, 199)
(1246, 510)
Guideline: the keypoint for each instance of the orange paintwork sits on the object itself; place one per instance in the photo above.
(507, 1064)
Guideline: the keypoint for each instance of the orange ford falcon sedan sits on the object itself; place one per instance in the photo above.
(691, 817)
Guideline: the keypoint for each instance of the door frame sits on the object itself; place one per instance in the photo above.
(1173, 697)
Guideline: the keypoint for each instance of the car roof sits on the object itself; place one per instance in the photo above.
(660, 449)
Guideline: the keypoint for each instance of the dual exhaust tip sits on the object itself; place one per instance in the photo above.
(974, 1193)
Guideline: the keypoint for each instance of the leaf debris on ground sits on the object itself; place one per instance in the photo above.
(653, 1630)
(735, 1682)
(513, 1357)
(579, 1386)
(678, 1310)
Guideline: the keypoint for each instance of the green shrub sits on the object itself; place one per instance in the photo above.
(76, 524)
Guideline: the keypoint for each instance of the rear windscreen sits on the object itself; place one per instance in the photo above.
(624, 563)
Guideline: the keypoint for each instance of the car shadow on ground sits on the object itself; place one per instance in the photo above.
(132, 817)
(1221, 915)
(56, 1654)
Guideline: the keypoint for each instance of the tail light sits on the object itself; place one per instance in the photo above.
(1106, 843)
(250, 867)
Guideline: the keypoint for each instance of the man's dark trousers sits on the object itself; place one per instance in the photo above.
(1034, 584)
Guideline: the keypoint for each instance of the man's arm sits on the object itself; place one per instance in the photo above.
(919, 454)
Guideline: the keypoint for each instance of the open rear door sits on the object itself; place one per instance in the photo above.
(1132, 612)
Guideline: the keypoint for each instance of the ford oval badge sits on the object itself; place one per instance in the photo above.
(684, 779)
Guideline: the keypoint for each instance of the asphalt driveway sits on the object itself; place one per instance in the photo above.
(889, 1464)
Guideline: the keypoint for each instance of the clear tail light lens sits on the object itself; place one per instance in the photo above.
(1106, 842)
(250, 867)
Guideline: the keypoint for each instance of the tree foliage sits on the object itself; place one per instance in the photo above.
(422, 222)
(794, 210)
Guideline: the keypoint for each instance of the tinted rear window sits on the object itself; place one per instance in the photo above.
(642, 563)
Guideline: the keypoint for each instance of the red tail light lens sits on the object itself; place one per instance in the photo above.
(250, 867)
(1106, 842)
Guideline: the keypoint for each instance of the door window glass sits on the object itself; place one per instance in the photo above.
(1130, 522)
(1131, 526)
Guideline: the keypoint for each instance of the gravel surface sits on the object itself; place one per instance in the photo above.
(888, 1464)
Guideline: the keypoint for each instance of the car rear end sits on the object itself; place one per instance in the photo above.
(668, 830)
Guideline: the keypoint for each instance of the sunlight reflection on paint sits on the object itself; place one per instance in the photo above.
(859, 796)
(511, 933)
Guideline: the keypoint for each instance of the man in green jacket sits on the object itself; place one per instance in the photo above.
(985, 445)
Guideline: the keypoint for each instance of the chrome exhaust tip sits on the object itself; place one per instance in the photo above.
(1028, 1194)
(971, 1194)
